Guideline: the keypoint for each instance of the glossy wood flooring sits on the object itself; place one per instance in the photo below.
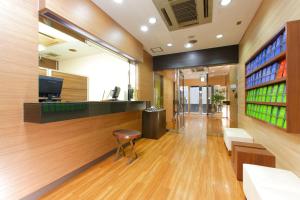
(190, 165)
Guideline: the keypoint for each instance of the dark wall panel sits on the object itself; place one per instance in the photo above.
(205, 57)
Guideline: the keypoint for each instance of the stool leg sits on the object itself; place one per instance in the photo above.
(120, 148)
(133, 152)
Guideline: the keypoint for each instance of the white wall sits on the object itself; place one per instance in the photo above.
(104, 72)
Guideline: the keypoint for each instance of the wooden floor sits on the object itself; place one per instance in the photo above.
(190, 165)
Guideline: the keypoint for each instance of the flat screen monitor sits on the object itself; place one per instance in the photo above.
(130, 93)
(50, 87)
(116, 92)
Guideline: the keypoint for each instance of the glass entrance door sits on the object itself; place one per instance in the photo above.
(207, 93)
(179, 100)
(194, 99)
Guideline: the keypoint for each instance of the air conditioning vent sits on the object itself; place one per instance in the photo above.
(178, 14)
(185, 12)
(166, 16)
(157, 50)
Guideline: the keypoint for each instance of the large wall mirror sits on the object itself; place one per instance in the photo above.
(89, 71)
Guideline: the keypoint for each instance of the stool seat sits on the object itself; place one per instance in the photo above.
(127, 134)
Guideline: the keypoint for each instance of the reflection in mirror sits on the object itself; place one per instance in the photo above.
(90, 71)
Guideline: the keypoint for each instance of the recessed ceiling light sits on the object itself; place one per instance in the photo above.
(188, 45)
(73, 50)
(225, 2)
(144, 28)
(41, 47)
(169, 44)
(118, 1)
(219, 36)
(152, 20)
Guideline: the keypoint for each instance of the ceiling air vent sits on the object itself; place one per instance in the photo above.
(178, 14)
(157, 50)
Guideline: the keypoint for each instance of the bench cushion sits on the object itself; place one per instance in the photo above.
(236, 134)
(264, 183)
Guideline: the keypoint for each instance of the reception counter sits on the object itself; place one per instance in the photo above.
(60, 111)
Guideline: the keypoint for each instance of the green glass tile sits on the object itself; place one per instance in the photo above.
(51, 108)
(45, 108)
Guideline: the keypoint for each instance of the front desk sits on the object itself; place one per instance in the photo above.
(63, 139)
(60, 111)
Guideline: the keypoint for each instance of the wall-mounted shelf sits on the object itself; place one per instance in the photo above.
(267, 83)
(267, 103)
(279, 57)
(272, 79)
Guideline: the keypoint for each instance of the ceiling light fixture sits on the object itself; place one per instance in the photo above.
(144, 28)
(73, 50)
(152, 20)
(118, 1)
(219, 36)
(238, 23)
(188, 45)
(41, 47)
(169, 44)
(225, 2)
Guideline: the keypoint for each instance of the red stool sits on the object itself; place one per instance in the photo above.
(130, 135)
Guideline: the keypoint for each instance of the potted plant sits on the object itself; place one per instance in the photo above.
(217, 100)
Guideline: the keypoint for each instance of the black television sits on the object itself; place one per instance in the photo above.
(116, 93)
(50, 88)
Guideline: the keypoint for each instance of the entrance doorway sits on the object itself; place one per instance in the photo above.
(205, 90)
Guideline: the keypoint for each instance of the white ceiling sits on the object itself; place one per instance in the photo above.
(63, 53)
(56, 45)
(131, 14)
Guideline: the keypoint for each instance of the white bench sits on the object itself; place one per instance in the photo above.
(265, 183)
(236, 134)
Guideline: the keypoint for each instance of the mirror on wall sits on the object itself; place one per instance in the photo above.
(75, 59)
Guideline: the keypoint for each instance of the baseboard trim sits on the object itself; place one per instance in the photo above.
(46, 189)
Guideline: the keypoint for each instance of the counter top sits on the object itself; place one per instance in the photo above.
(59, 111)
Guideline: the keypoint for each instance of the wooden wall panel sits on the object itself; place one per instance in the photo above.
(233, 114)
(168, 96)
(271, 16)
(42, 71)
(145, 79)
(218, 80)
(48, 63)
(194, 82)
(86, 15)
(34, 155)
(214, 80)
(74, 86)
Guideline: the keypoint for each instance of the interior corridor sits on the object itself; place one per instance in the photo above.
(190, 165)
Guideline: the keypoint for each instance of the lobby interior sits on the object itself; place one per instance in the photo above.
(152, 99)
